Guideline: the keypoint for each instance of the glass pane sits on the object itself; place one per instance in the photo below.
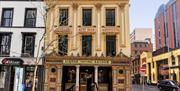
(31, 14)
(63, 45)
(110, 45)
(8, 13)
(110, 17)
(5, 44)
(63, 18)
(28, 45)
(87, 17)
(86, 45)
(30, 20)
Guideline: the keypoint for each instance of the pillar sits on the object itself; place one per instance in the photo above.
(59, 77)
(114, 74)
(46, 79)
(77, 78)
(96, 76)
(98, 10)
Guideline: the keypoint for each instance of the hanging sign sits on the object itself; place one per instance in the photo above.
(12, 61)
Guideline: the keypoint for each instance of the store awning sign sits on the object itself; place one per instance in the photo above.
(105, 62)
(12, 61)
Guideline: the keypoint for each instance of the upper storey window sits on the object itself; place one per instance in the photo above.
(5, 42)
(87, 17)
(30, 17)
(7, 17)
(87, 45)
(63, 45)
(110, 17)
(111, 45)
(63, 17)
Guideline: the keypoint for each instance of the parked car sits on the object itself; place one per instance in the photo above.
(168, 85)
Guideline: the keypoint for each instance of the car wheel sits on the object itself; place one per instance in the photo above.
(160, 88)
(174, 89)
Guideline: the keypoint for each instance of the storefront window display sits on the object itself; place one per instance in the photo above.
(2, 77)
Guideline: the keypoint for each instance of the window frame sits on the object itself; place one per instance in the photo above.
(88, 18)
(64, 42)
(9, 45)
(87, 39)
(110, 18)
(2, 17)
(66, 22)
(26, 19)
(112, 38)
(24, 35)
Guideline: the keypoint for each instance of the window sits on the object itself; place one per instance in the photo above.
(86, 45)
(7, 17)
(135, 45)
(63, 45)
(179, 59)
(140, 45)
(175, 24)
(30, 17)
(28, 44)
(173, 60)
(87, 17)
(5, 42)
(63, 17)
(110, 17)
(2, 75)
(110, 45)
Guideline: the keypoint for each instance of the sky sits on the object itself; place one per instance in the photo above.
(142, 13)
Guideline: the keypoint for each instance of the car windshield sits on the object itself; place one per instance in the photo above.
(173, 83)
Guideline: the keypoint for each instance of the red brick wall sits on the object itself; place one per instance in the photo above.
(178, 15)
(162, 30)
(170, 27)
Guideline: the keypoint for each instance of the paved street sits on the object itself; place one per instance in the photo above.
(150, 88)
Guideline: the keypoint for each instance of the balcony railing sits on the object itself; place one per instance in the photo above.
(63, 29)
(88, 29)
(111, 29)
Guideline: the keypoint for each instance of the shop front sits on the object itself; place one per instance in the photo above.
(87, 74)
(17, 75)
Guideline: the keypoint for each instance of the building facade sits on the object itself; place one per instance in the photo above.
(21, 28)
(137, 48)
(141, 34)
(167, 25)
(161, 65)
(87, 42)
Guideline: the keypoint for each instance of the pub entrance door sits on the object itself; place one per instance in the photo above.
(86, 78)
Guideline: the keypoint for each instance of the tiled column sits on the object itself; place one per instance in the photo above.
(114, 74)
(59, 77)
(46, 79)
(96, 76)
(77, 77)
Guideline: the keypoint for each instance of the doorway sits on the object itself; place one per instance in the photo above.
(86, 78)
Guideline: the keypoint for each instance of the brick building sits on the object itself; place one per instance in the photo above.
(137, 48)
(167, 25)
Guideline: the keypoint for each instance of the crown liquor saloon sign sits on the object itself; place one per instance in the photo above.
(12, 61)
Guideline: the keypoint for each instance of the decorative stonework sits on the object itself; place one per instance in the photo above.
(98, 6)
(75, 6)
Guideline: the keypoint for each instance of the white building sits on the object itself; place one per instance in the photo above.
(21, 28)
(141, 34)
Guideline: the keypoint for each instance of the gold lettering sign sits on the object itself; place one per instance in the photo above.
(103, 62)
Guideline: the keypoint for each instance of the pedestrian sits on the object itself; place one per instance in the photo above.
(148, 82)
